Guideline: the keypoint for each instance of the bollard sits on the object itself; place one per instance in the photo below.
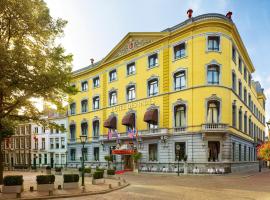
(83, 189)
(110, 186)
(124, 180)
(18, 195)
(31, 188)
(119, 178)
(59, 187)
(50, 192)
(119, 183)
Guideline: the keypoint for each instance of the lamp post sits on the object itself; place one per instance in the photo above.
(83, 139)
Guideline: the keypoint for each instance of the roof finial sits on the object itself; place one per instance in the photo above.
(229, 15)
(189, 12)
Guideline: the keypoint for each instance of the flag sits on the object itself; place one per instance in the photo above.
(130, 133)
(109, 135)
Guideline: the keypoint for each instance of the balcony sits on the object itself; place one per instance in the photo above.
(214, 127)
(178, 130)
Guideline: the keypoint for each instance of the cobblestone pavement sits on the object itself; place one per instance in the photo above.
(241, 186)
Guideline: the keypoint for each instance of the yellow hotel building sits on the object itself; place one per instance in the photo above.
(187, 90)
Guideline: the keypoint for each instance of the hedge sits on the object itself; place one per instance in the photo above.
(48, 168)
(86, 170)
(71, 178)
(20, 167)
(45, 179)
(13, 180)
(111, 172)
(58, 169)
(99, 169)
(98, 175)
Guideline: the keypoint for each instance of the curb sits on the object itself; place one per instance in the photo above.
(78, 195)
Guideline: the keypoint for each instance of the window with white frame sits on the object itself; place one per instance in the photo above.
(84, 128)
(153, 152)
(180, 115)
(234, 118)
(51, 143)
(233, 53)
(213, 74)
(213, 43)
(245, 72)
(233, 81)
(96, 82)
(213, 111)
(72, 131)
(179, 50)
(131, 69)
(240, 119)
(57, 145)
(180, 80)
(113, 98)
(240, 89)
(96, 103)
(112, 75)
(43, 143)
(152, 60)
(84, 105)
(153, 87)
(96, 153)
(182, 150)
(63, 143)
(84, 86)
(131, 93)
(72, 108)
(96, 128)
(73, 154)
(240, 65)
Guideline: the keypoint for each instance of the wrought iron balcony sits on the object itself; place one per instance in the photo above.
(214, 127)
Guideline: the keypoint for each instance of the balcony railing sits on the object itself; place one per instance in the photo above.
(177, 130)
(214, 127)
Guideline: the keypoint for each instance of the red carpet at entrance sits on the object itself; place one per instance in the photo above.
(123, 171)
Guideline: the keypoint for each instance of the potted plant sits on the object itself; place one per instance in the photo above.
(185, 165)
(87, 172)
(12, 184)
(58, 170)
(48, 170)
(71, 181)
(34, 168)
(111, 173)
(98, 178)
(104, 171)
(109, 159)
(45, 183)
(136, 157)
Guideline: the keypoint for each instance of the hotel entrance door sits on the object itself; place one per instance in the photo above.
(128, 164)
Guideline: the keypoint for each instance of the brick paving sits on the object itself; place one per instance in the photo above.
(238, 186)
(30, 180)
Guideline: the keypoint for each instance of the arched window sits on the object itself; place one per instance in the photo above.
(213, 74)
(213, 111)
(180, 116)
(179, 80)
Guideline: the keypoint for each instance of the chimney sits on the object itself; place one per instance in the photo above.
(92, 61)
(189, 12)
(229, 15)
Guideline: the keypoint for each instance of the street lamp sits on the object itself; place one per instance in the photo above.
(83, 139)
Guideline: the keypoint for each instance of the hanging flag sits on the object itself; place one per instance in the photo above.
(130, 133)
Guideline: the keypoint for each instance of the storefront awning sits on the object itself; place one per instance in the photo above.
(129, 120)
(123, 151)
(110, 122)
(151, 116)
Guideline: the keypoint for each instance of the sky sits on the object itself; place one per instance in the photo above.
(96, 26)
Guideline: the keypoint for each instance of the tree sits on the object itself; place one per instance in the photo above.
(32, 64)
(109, 159)
(263, 151)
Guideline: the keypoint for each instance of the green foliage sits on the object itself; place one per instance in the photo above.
(111, 172)
(20, 167)
(137, 156)
(45, 179)
(98, 174)
(86, 170)
(13, 180)
(48, 168)
(99, 169)
(108, 158)
(71, 178)
(58, 169)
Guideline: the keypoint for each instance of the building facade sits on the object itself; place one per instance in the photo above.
(186, 90)
(17, 148)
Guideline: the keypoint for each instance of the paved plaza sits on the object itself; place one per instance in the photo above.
(241, 186)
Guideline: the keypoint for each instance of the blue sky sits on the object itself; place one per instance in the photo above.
(96, 26)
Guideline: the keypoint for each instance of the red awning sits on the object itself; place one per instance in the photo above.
(151, 116)
(129, 120)
(110, 122)
(123, 152)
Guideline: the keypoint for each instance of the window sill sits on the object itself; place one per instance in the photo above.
(153, 95)
(177, 59)
(113, 80)
(95, 87)
(84, 90)
(96, 109)
(179, 89)
(152, 67)
(128, 75)
(130, 100)
(213, 51)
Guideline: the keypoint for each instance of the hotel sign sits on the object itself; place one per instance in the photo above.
(133, 105)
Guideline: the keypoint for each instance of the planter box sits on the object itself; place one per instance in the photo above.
(111, 176)
(48, 172)
(98, 181)
(45, 187)
(105, 173)
(87, 174)
(12, 189)
(74, 185)
(58, 173)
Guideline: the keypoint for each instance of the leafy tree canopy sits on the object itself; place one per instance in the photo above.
(32, 64)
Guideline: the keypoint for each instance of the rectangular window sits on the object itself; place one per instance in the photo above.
(245, 153)
(113, 75)
(84, 128)
(57, 143)
(36, 130)
(22, 143)
(96, 103)
(249, 154)
(179, 150)
(113, 98)
(84, 153)
(213, 74)
(233, 151)
(45, 158)
(240, 65)
(180, 80)
(96, 128)
(84, 105)
(245, 123)
(214, 150)
(213, 43)
(240, 89)
(73, 154)
(233, 53)
(152, 87)
(131, 69)
(72, 131)
(36, 144)
(84, 86)
(234, 121)
(96, 153)
(245, 72)
(96, 82)
(179, 50)
(131, 93)
(152, 60)
(51, 143)
(153, 152)
(245, 95)
(240, 119)
(43, 143)
(72, 108)
(240, 152)
(63, 143)
(234, 81)
(249, 80)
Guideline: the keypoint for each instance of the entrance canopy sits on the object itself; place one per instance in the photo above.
(151, 116)
(110, 122)
(129, 120)
(123, 151)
